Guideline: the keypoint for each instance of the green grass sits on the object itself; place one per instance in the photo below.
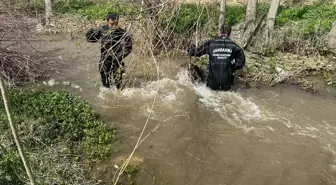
(51, 121)
(311, 19)
(100, 10)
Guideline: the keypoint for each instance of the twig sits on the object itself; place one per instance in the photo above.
(122, 169)
(14, 131)
(246, 81)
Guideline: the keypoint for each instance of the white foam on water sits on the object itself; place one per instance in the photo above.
(330, 148)
(183, 78)
(131, 92)
(270, 128)
(66, 83)
(76, 86)
(333, 168)
(167, 91)
(231, 106)
(170, 97)
(240, 112)
(51, 82)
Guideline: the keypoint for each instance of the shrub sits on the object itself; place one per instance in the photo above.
(187, 16)
(69, 6)
(311, 19)
(56, 122)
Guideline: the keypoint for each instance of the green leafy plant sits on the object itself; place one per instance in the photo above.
(10, 167)
(187, 16)
(311, 19)
(55, 121)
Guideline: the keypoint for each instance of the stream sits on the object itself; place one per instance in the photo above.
(271, 136)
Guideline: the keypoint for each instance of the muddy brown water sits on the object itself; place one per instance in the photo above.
(268, 136)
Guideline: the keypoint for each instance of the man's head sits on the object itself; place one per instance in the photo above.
(112, 19)
(225, 30)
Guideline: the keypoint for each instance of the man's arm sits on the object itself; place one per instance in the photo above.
(93, 35)
(201, 50)
(127, 46)
(239, 58)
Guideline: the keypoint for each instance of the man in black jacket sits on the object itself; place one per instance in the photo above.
(225, 57)
(116, 44)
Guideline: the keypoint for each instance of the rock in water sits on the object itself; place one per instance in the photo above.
(332, 38)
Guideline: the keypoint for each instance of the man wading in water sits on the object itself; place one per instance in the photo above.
(225, 57)
(116, 44)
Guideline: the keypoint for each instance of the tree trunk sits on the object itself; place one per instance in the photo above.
(28, 4)
(271, 16)
(253, 33)
(14, 131)
(48, 11)
(222, 14)
(251, 16)
(331, 39)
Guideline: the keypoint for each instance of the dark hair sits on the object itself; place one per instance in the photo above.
(113, 16)
(226, 29)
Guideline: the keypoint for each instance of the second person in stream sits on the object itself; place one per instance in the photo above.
(225, 57)
(116, 44)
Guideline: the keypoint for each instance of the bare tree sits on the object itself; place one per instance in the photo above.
(271, 16)
(222, 14)
(48, 11)
(251, 16)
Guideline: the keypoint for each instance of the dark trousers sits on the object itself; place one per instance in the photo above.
(108, 69)
(220, 87)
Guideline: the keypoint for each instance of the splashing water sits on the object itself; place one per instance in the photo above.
(231, 106)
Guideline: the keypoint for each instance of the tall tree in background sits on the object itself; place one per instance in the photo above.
(272, 12)
(48, 11)
(222, 14)
(28, 4)
(251, 16)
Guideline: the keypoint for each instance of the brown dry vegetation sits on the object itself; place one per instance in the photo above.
(15, 66)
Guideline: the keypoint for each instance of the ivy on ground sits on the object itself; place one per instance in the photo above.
(51, 120)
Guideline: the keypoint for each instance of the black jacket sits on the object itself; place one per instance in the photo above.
(222, 52)
(116, 43)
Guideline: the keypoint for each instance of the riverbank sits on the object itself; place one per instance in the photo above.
(297, 55)
(314, 74)
(62, 137)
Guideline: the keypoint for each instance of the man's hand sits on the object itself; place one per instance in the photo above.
(191, 47)
(92, 35)
(100, 24)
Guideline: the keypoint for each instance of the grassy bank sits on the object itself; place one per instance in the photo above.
(61, 134)
(312, 19)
